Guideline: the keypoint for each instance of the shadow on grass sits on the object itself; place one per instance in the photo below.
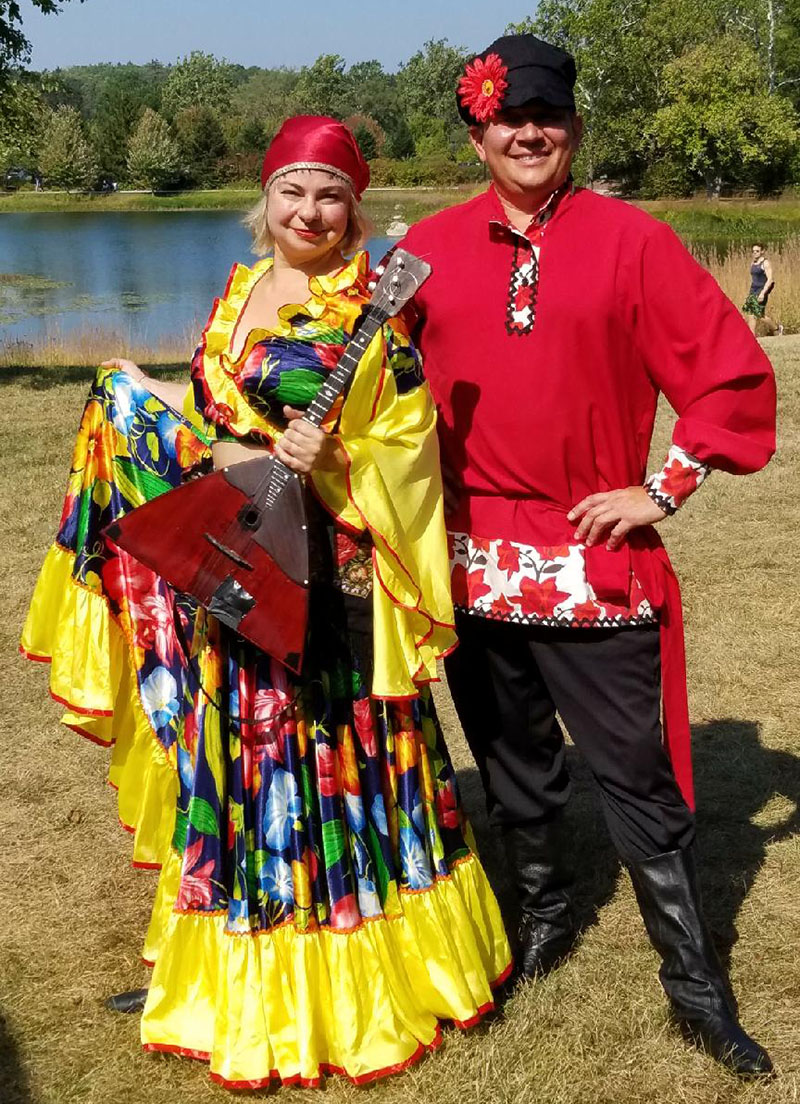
(43, 379)
(735, 776)
(14, 1086)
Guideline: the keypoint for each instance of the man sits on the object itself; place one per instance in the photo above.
(551, 322)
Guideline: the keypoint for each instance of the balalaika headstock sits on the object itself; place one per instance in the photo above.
(396, 280)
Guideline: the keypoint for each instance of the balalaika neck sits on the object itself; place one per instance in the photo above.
(339, 377)
(333, 386)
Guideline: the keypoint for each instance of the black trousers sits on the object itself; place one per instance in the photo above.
(508, 681)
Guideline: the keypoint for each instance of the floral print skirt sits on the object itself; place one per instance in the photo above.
(320, 906)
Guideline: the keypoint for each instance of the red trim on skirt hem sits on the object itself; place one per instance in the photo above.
(91, 737)
(490, 1006)
(33, 657)
(506, 974)
(69, 705)
(296, 1079)
(80, 708)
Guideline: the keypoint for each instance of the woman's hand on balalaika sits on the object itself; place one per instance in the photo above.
(304, 446)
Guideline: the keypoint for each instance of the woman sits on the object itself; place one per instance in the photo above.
(762, 284)
(319, 906)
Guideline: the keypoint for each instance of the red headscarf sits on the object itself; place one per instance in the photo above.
(316, 142)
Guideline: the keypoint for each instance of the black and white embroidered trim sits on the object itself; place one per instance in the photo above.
(523, 288)
(523, 284)
(564, 622)
(664, 502)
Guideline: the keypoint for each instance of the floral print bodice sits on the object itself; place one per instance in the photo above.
(244, 396)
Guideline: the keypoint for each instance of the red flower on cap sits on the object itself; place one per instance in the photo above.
(482, 87)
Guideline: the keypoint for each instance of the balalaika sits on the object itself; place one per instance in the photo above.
(236, 540)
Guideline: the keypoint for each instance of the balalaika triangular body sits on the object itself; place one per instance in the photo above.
(248, 568)
(237, 540)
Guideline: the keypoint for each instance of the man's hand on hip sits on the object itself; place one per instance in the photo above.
(611, 515)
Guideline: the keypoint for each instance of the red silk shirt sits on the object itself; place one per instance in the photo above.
(550, 395)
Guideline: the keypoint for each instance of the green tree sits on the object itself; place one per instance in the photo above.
(15, 49)
(369, 135)
(22, 123)
(372, 92)
(266, 95)
(369, 85)
(201, 143)
(88, 86)
(66, 159)
(375, 94)
(787, 51)
(119, 107)
(721, 121)
(199, 80)
(323, 88)
(153, 155)
(251, 137)
(426, 84)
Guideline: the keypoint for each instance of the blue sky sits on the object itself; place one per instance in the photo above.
(260, 32)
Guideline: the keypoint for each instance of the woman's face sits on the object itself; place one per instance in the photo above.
(307, 214)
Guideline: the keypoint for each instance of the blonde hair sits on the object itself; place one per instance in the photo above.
(359, 226)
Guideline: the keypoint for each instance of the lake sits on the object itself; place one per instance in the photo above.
(143, 275)
(148, 278)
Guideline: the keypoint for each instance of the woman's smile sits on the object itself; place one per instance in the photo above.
(306, 233)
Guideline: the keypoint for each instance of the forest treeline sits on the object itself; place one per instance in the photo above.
(675, 95)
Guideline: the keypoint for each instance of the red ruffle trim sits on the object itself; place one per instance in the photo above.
(63, 701)
(326, 1070)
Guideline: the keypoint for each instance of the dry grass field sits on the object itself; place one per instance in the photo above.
(596, 1031)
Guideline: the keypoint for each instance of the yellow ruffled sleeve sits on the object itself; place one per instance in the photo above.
(214, 392)
(393, 488)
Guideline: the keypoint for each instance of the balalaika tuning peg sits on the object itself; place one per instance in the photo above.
(378, 272)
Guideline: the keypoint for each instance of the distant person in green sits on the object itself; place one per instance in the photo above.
(762, 283)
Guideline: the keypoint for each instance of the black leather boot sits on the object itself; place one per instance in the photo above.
(547, 930)
(668, 893)
(132, 1001)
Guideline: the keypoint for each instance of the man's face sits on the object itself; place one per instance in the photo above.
(758, 252)
(528, 150)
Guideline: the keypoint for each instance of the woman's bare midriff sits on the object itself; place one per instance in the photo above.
(224, 453)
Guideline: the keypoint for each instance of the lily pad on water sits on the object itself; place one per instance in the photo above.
(29, 282)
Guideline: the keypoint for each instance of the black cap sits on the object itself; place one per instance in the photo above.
(531, 70)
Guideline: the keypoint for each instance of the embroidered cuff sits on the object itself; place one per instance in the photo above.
(681, 476)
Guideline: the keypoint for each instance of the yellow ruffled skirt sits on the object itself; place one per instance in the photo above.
(320, 907)
(286, 1004)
